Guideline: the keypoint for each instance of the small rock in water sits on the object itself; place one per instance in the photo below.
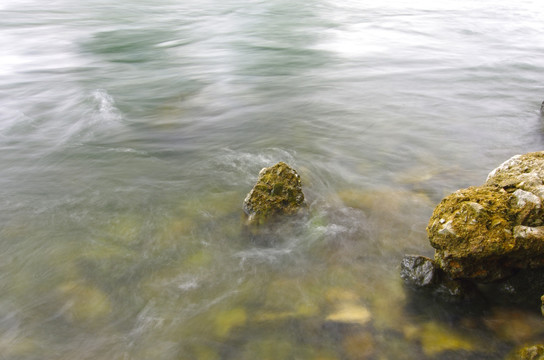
(437, 338)
(278, 191)
(530, 352)
(350, 314)
(418, 271)
(423, 274)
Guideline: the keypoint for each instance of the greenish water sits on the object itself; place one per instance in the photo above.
(130, 133)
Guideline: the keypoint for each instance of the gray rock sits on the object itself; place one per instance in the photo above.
(418, 271)
(422, 274)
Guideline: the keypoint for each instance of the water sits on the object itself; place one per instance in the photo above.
(130, 132)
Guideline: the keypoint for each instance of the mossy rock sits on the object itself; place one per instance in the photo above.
(278, 192)
(524, 172)
(472, 233)
(488, 232)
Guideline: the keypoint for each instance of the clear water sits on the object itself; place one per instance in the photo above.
(131, 131)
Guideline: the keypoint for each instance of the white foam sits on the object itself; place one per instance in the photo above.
(106, 105)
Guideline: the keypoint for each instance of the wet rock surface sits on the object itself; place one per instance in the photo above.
(489, 232)
(278, 192)
(419, 271)
(422, 274)
(489, 255)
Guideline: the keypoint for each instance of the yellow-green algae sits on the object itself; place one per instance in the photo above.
(278, 191)
(471, 229)
(226, 320)
(527, 352)
(125, 229)
(488, 232)
(437, 338)
(84, 302)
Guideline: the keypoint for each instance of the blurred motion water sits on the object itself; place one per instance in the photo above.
(130, 132)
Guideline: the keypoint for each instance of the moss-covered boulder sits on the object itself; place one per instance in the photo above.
(488, 232)
(278, 192)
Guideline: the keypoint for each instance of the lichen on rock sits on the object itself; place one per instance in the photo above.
(278, 192)
(488, 232)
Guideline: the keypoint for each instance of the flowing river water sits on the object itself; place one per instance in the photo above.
(131, 131)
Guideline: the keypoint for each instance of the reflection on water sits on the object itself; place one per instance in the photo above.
(131, 133)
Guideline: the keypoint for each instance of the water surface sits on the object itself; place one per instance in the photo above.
(131, 131)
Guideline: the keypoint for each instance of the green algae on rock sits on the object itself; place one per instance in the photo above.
(488, 232)
(529, 352)
(471, 230)
(278, 191)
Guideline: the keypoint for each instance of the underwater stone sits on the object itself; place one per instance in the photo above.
(278, 192)
(514, 325)
(84, 303)
(350, 313)
(489, 232)
(422, 274)
(530, 352)
(229, 319)
(437, 338)
(419, 271)
(359, 346)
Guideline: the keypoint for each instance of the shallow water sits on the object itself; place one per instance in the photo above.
(130, 133)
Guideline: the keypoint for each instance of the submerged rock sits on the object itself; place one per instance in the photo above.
(278, 192)
(84, 303)
(418, 271)
(360, 345)
(228, 320)
(421, 273)
(514, 325)
(349, 313)
(489, 232)
(437, 338)
(530, 352)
